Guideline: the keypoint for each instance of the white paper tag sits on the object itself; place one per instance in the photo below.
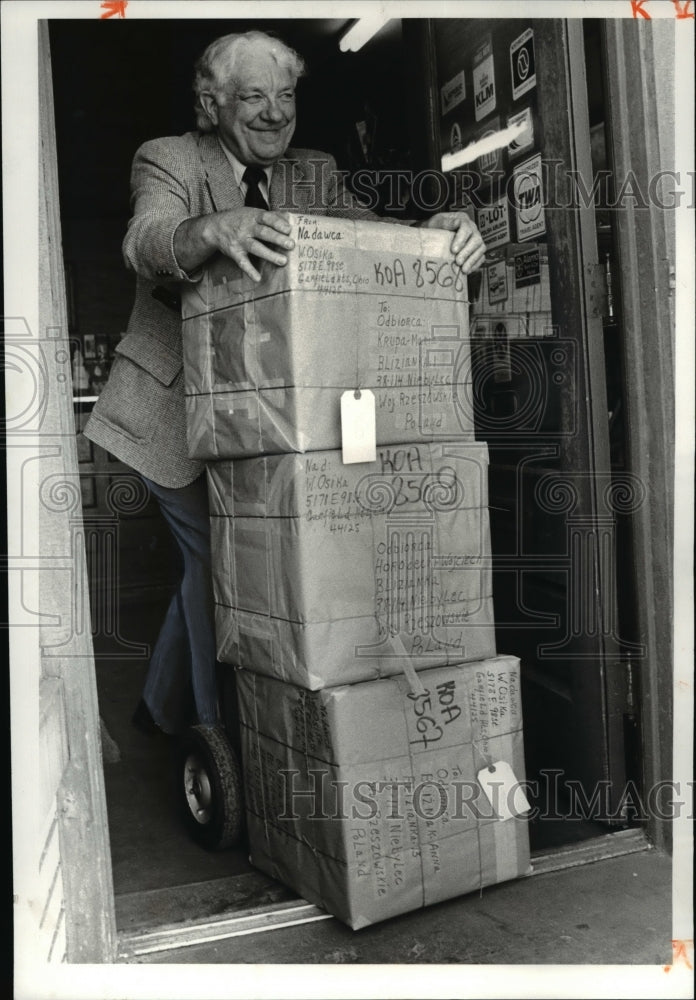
(358, 426)
(503, 790)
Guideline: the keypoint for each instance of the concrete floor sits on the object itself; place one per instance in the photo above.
(611, 912)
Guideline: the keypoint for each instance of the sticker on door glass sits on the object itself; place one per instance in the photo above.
(453, 92)
(496, 274)
(527, 192)
(525, 139)
(527, 269)
(484, 81)
(489, 162)
(522, 66)
(493, 222)
(455, 138)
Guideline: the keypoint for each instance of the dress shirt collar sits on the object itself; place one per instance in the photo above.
(239, 169)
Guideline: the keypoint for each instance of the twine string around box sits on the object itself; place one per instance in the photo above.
(488, 763)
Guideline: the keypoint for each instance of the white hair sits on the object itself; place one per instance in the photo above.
(215, 67)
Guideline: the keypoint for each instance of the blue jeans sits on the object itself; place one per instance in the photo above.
(182, 672)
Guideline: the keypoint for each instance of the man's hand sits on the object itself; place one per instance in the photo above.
(467, 244)
(237, 233)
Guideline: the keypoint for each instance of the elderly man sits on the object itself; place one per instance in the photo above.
(221, 189)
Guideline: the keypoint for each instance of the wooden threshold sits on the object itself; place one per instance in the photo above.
(228, 919)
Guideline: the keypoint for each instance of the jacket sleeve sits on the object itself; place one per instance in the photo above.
(161, 201)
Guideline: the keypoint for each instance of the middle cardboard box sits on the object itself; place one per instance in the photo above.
(328, 574)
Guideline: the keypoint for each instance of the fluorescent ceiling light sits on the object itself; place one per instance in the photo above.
(362, 31)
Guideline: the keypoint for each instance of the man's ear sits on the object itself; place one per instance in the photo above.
(209, 105)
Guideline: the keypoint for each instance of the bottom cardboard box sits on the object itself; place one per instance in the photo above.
(370, 800)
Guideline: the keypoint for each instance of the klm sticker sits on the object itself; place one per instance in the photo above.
(484, 81)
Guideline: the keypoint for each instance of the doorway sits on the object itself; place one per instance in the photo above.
(370, 111)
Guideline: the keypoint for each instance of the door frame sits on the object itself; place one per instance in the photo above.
(640, 101)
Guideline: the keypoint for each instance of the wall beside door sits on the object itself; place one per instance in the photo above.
(76, 909)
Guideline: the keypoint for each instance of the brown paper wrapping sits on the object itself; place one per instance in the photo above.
(363, 304)
(330, 574)
(319, 819)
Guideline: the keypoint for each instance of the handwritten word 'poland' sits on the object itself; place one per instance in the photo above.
(682, 9)
(114, 7)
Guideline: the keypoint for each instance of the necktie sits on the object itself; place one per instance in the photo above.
(252, 178)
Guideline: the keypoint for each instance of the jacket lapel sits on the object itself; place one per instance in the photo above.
(291, 189)
(222, 186)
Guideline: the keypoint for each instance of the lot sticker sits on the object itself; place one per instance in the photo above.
(493, 222)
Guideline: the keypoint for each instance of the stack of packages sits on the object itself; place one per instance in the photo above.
(382, 736)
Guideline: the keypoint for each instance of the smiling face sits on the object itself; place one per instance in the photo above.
(255, 111)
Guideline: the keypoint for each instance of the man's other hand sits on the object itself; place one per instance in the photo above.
(467, 243)
(239, 233)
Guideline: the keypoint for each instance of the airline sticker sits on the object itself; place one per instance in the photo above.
(527, 190)
(496, 274)
(489, 162)
(525, 140)
(453, 92)
(522, 66)
(493, 222)
(455, 138)
(527, 268)
(484, 81)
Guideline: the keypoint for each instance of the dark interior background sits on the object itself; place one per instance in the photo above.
(120, 83)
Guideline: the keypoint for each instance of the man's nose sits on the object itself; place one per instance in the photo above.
(273, 111)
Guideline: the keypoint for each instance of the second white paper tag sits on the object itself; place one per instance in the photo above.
(358, 426)
(503, 790)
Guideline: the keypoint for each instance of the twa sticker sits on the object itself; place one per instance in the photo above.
(522, 66)
(525, 140)
(453, 92)
(484, 81)
(527, 193)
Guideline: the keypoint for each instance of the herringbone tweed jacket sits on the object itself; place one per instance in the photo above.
(140, 416)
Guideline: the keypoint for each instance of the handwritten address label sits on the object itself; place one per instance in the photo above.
(328, 260)
(354, 272)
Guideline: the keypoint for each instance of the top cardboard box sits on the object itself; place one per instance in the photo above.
(359, 305)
